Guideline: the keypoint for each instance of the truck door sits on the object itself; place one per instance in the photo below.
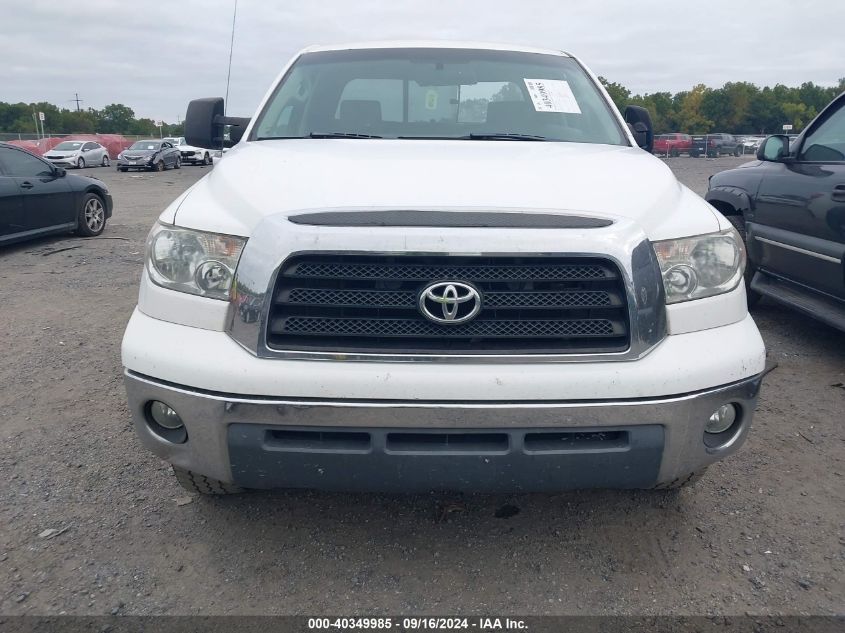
(799, 222)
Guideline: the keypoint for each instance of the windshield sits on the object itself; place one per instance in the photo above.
(438, 93)
(145, 145)
(66, 145)
(175, 141)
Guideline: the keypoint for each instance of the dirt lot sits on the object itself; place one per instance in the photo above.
(762, 533)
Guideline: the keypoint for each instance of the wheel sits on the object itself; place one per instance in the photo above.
(674, 153)
(739, 224)
(711, 154)
(178, 164)
(80, 163)
(194, 482)
(206, 159)
(92, 216)
(159, 166)
(106, 162)
(738, 151)
(682, 482)
(693, 153)
(122, 169)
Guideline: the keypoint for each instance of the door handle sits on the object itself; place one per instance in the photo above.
(838, 194)
(26, 185)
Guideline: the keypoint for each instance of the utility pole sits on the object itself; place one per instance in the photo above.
(78, 101)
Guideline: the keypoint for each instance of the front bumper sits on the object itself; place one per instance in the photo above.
(142, 163)
(266, 442)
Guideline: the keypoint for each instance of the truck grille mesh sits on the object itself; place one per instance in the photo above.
(369, 304)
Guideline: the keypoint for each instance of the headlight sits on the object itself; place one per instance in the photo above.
(195, 262)
(120, 156)
(701, 266)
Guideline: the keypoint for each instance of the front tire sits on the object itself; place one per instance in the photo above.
(739, 224)
(206, 159)
(196, 483)
(92, 216)
(178, 164)
(106, 160)
(738, 152)
(159, 166)
(124, 169)
(80, 163)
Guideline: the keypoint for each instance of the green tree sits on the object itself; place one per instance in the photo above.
(691, 117)
(116, 118)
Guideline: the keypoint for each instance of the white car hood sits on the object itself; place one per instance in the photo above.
(264, 178)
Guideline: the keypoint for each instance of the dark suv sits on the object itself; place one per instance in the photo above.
(713, 145)
(789, 205)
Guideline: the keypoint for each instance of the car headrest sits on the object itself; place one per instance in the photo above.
(356, 113)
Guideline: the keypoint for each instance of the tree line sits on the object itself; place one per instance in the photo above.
(735, 108)
(113, 119)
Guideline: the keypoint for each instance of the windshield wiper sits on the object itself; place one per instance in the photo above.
(504, 136)
(319, 135)
(341, 135)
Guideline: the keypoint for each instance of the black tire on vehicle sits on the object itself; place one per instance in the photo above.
(739, 224)
(194, 482)
(206, 159)
(682, 482)
(693, 153)
(712, 154)
(106, 160)
(738, 151)
(80, 163)
(122, 169)
(159, 166)
(91, 219)
(178, 164)
(674, 153)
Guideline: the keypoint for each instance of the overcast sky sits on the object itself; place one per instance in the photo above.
(156, 55)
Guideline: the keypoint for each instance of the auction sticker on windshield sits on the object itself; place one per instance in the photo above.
(552, 95)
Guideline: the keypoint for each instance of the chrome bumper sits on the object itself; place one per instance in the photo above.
(211, 417)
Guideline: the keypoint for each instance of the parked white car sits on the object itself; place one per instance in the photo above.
(440, 266)
(78, 154)
(190, 154)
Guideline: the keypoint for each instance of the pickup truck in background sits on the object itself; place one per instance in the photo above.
(673, 144)
(715, 145)
(439, 266)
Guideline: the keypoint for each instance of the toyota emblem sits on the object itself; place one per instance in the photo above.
(449, 302)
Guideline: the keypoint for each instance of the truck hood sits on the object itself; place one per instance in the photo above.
(264, 178)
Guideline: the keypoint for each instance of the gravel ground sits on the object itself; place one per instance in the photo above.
(762, 533)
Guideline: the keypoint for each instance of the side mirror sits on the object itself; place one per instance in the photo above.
(639, 120)
(205, 124)
(59, 172)
(774, 148)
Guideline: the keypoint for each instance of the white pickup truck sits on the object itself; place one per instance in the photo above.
(439, 266)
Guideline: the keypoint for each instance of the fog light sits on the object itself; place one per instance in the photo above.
(722, 419)
(165, 416)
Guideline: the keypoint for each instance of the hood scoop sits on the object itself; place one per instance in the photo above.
(450, 219)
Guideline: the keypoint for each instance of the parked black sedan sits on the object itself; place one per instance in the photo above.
(789, 205)
(154, 155)
(37, 198)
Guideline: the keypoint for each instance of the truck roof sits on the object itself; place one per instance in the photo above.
(434, 44)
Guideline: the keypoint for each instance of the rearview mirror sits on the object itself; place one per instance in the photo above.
(639, 121)
(205, 124)
(774, 148)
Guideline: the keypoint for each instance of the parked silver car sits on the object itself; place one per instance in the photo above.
(78, 154)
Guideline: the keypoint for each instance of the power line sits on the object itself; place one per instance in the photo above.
(78, 101)
(231, 46)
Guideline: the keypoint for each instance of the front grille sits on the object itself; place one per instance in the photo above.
(369, 304)
(187, 153)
